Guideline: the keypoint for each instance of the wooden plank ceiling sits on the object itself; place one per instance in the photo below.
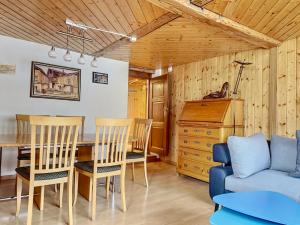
(39, 20)
(279, 19)
(179, 41)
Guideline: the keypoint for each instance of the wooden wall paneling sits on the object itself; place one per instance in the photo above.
(265, 92)
(273, 90)
(281, 89)
(291, 88)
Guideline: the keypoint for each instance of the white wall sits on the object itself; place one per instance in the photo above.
(96, 99)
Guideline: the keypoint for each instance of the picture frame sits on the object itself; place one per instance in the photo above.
(55, 82)
(100, 78)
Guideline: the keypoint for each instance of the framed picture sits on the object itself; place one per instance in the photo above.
(100, 78)
(56, 82)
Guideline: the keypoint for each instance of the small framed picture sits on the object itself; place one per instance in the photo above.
(100, 78)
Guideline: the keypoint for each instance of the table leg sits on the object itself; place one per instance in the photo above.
(84, 187)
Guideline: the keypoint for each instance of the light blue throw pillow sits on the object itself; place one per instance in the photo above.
(283, 153)
(249, 155)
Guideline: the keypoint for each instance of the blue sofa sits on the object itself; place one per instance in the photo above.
(221, 179)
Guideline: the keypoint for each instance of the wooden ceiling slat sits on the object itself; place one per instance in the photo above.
(90, 14)
(271, 14)
(241, 9)
(292, 32)
(286, 23)
(109, 16)
(60, 16)
(268, 4)
(118, 14)
(276, 21)
(147, 10)
(77, 15)
(251, 11)
(137, 11)
(286, 30)
(30, 24)
(58, 24)
(124, 7)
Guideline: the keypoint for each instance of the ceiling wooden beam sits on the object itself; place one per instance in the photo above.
(141, 32)
(188, 10)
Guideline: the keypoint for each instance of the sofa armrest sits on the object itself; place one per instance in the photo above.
(221, 153)
(217, 177)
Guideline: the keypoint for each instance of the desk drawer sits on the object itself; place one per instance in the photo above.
(197, 155)
(205, 144)
(200, 132)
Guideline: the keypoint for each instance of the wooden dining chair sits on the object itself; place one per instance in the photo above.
(108, 158)
(81, 130)
(53, 144)
(139, 150)
(23, 128)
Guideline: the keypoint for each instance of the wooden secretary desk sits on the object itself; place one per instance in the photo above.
(202, 124)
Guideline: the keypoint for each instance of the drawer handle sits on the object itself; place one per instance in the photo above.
(208, 145)
(185, 130)
(208, 132)
(197, 131)
(197, 142)
(208, 158)
(185, 165)
(196, 154)
(185, 141)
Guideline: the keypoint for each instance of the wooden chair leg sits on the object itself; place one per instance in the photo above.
(55, 188)
(107, 186)
(42, 199)
(61, 194)
(30, 204)
(91, 190)
(122, 184)
(145, 172)
(133, 175)
(19, 193)
(94, 197)
(70, 196)
(76, 187)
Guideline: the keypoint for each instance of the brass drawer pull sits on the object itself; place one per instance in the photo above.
(197, 142)
(185, 141)
(208, 145)
(208, 158)
(208, 132)
(185, 165)
(197, 131)
(185, 130)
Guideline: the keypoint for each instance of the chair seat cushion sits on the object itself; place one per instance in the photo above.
(89, 165)
(25, 172)
(24, 156)
(134, 155)
(266, 180)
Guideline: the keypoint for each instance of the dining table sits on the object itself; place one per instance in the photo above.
(85, 144)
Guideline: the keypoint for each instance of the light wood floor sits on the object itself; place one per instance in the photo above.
(170, 200)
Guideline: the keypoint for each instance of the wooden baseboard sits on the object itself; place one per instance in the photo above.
(8, 177)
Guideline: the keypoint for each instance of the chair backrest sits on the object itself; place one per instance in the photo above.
(141, 133)
(23, 125)
(111, 142)
(53, 143)
(81, 131)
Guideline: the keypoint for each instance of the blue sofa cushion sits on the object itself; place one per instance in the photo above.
(283, 153)
(221, 153)
(266, 180)
(249, 155)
